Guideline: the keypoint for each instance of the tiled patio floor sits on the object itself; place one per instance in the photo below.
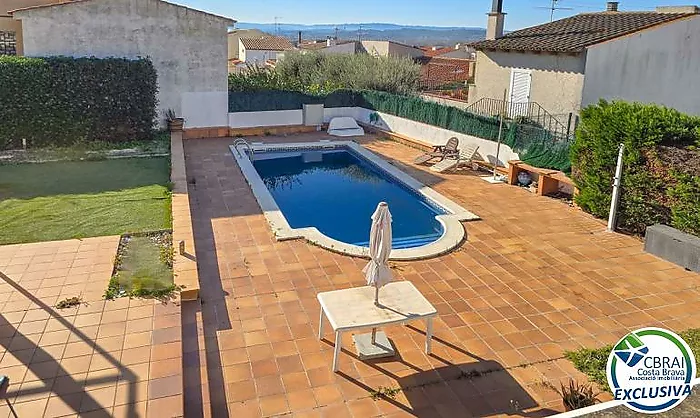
(118, 358)
(535, 278)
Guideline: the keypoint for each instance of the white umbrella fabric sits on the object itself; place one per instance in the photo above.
(377, 271)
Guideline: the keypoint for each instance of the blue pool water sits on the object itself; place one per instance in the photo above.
(337, 192)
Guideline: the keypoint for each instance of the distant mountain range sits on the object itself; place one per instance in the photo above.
(407, 34)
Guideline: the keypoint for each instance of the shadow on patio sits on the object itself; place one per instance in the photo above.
(478, 388)
(51, 376)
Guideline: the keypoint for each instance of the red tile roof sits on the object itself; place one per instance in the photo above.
(574, 34)
(429, 52)
(268, 43)
(436, 71)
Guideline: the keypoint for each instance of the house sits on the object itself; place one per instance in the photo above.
(188, 47)
(235, 34)
(262, 49)
(435, 50)
(10, 29)
(375, 48)
(648, 56)
(459, 51)
(391, 48)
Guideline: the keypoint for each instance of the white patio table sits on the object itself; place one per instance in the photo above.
(352, 309)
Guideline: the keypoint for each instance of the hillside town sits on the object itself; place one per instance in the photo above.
(201, 216)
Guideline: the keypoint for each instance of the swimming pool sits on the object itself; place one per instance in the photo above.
(305, 184)
(326, 192)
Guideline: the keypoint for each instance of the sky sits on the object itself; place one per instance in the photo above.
(471, 13)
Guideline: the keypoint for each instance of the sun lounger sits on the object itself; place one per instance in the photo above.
(440, 151)
(465, 155)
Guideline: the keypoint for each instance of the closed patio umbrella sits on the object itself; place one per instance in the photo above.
(377, 271)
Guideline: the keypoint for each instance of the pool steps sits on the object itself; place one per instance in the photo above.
(408, 242)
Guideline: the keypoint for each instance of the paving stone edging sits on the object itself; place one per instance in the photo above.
(184, 265)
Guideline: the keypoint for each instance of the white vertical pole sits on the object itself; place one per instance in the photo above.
(500, 133)
(612, 219)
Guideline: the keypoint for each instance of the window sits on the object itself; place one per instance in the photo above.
(8, 43)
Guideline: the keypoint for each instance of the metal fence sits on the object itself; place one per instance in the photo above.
(562, 127)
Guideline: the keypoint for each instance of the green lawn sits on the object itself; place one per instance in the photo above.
(62, 200)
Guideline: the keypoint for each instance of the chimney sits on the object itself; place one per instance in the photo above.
(612, 6)
(494, 29)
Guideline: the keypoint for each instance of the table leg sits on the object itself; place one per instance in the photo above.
(428, 335)
(320, 325)
(336, 352)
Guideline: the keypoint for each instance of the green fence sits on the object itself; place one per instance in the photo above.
(265, 100)
(534, 145)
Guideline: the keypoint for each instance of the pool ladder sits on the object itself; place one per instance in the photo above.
(242, 142)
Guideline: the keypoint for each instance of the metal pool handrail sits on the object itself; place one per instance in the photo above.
(244, 143)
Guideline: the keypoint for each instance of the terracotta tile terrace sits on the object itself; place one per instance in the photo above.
(119, 358)
(534, 278)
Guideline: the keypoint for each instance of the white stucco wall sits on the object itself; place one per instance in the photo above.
(659, 65)
(252, 56)
(205, 109)
(346, 48)
(386, 48)
(398, 50)
(188, 48)
(269, 118)
(557, 79)
(425, 133)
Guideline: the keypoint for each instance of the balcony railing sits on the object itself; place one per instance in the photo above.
(530, 113)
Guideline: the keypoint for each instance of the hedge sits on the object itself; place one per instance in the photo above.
(264, 100)
(661, 175)
(59, 101)
(533, 144)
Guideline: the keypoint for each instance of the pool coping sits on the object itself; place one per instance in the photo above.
(452, 222)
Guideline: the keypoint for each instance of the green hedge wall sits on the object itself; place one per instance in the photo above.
(264, 100)
(534, 145)
(661, 175)
(59, 101)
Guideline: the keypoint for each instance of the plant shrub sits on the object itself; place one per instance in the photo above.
(654, 189)
(58, 101)
(324, 73)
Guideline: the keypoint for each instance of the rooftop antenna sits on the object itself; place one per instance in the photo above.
(359, 33)
(277, 25)
(554, 7)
